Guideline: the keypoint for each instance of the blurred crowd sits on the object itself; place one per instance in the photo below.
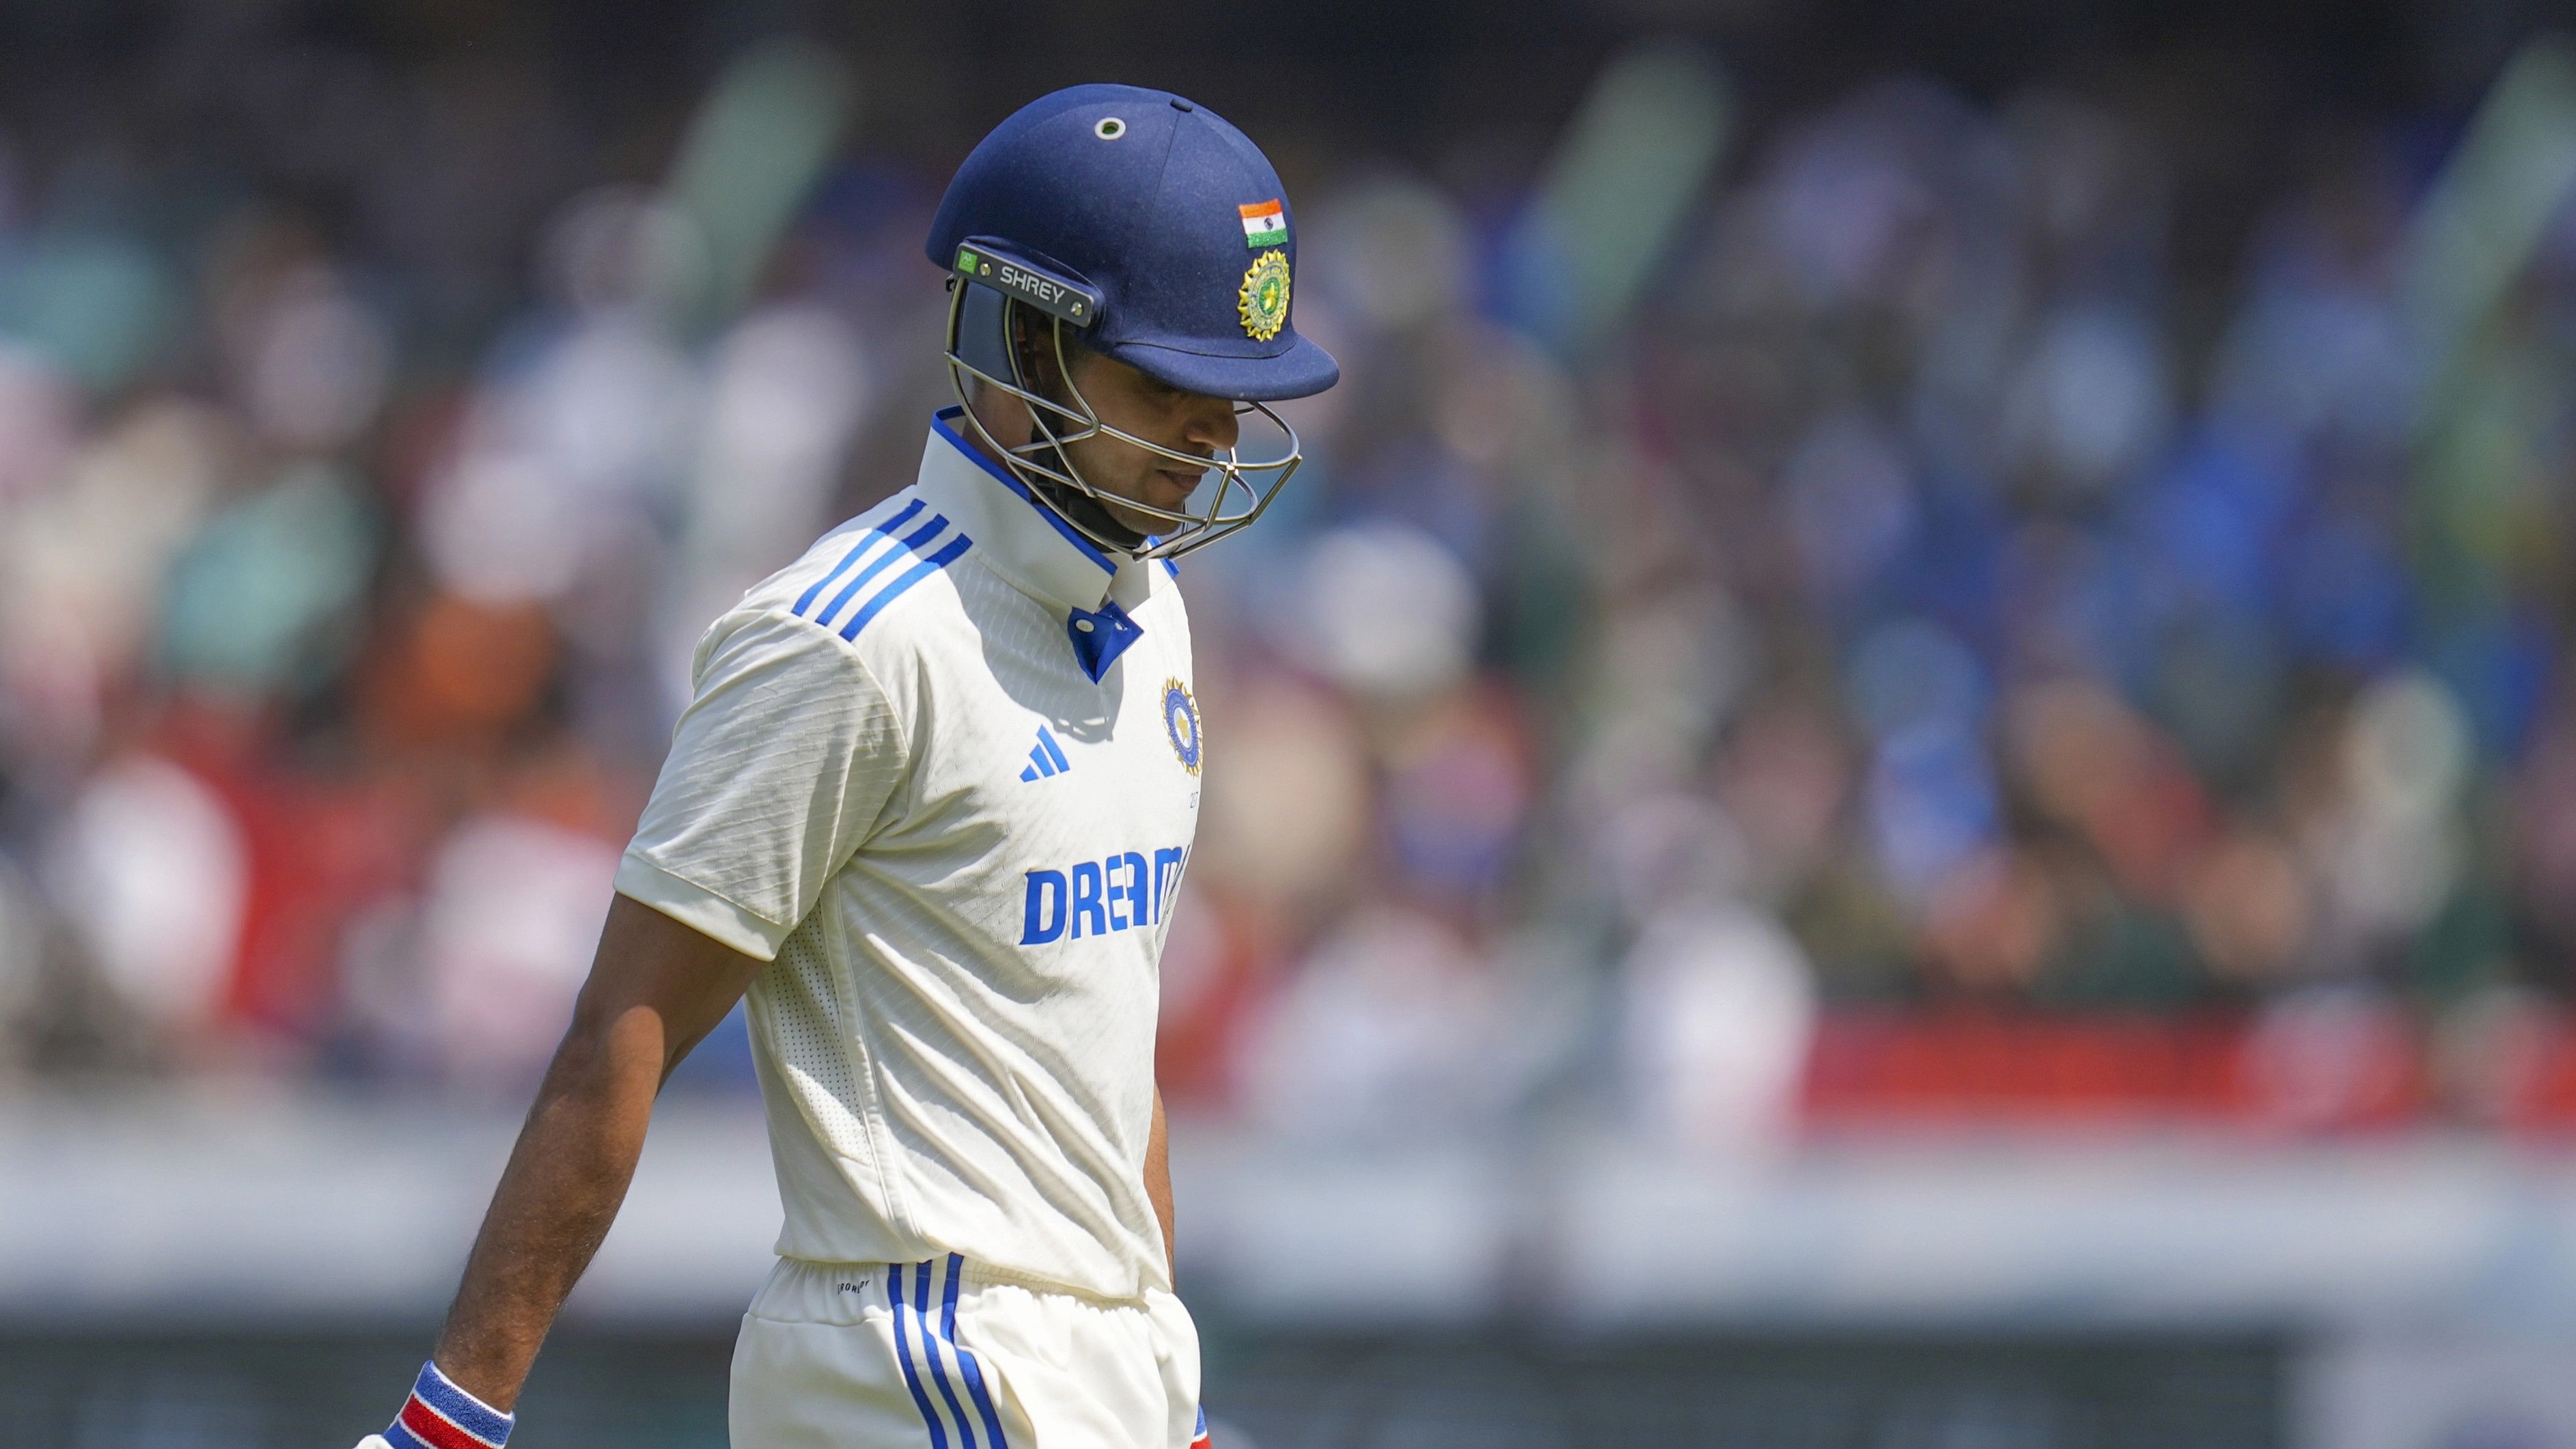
(1930, 603)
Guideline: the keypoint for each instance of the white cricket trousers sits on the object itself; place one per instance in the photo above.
(937, 1354)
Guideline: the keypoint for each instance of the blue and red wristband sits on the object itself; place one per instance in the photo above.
(1199, 1439)
(440, 1415)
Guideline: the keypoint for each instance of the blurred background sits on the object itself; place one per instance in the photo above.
(1904, 773)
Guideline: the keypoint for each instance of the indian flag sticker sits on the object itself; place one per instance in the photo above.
(1265, 225)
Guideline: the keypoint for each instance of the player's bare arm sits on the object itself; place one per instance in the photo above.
(655, 989)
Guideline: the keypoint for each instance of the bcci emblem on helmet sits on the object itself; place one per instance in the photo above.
(1263, 301)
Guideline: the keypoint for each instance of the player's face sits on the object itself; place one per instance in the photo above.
(1130, 401)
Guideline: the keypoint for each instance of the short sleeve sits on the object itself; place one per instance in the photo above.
(784, 759)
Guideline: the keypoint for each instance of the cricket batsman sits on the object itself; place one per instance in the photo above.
(927, 812)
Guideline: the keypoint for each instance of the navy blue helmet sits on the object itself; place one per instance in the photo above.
(1144, 227)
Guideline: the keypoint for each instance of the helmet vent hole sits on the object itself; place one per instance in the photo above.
(1109, 128)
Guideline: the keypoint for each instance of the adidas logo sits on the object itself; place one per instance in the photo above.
(1047, 760)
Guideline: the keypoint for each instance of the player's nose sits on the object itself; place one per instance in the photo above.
(1212, 424)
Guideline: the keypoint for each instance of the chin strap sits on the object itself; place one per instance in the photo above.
(1078, 507)
(1084, 511)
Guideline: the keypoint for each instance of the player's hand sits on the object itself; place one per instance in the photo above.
(374, 1441)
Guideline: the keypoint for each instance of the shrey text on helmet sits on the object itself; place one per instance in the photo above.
(1038, 288)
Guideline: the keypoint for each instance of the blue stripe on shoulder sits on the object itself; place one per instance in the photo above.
(949, 553)
(867, 536)
(904, 548)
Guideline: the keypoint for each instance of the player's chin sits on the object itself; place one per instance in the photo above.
(1164, 491)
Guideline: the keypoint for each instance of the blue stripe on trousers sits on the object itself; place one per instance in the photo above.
(966, 1361)
(903, 1352)
(930, 1348)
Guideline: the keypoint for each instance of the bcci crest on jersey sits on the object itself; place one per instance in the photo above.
(1181, 723)
(1097, 897)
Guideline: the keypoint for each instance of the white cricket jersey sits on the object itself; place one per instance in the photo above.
(942, 773)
